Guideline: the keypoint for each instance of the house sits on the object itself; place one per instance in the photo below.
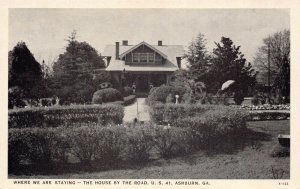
(142, 65)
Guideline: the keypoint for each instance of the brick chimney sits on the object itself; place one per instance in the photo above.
(125, 42)
(117, 50)
(178, 62)
(159, 43)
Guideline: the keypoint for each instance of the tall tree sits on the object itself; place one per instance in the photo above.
(198, 58)
(278, 47)
(72, 72)
(228, 63)
(24, 71)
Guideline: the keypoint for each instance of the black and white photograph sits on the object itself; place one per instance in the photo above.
(108, 93)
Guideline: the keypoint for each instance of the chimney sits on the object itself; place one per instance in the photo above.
(117, 50)
(178, 62)
(159, 43)
(125, 42)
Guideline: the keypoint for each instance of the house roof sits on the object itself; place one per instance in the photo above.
(170, 51)
(143, 43)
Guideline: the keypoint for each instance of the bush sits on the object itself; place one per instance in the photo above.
(95, 143)
(140, 140)
(65, 115)
(107, 95)
(127, 91)
(129, 100)
(40, 146)
(160, 113)
(171, 141)
(214, 123)
(160, 94)
(15, 96)
(153, 89)
(238, 98)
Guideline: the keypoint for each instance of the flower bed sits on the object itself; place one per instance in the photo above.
(65, 115)
(264, 107)
(269, 115)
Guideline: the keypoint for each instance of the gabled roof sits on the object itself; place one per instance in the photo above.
(171, 51)
(138, 45)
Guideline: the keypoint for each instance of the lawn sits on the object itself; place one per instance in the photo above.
(243, 156)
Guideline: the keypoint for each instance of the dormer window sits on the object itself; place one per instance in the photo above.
(144, 57)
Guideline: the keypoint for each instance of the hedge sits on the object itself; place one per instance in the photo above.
(44, 146)
(65, 115)
(160, 113)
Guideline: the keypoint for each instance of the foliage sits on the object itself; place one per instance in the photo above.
(139, 141)
(127, 91)
(129, 100)
(238, 97)
(160, 113)
(278, 44)
(198, 59)
(72, 73)
(282, 80)
(171, 141)
(15, 96)
(107, 95)
(38, 145)
(228, 63)
(269, 115)
(65, 115)
(25, 72)
(160, 94)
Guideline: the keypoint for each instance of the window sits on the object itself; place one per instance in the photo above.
(150, 57)
(143, 57)
(135, 57)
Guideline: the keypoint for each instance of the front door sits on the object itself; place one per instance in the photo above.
(142, 83)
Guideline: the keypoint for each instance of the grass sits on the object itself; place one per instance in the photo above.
(246, 155)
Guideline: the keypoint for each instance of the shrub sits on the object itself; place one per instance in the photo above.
(99, 143)
(129, 100)
(214, 123)
(238, 98)
(171, 141)
(127, 91)
(15, 95)
(38, 145)
(106, 95)
(140, 140)
(160, 94)
(65, 115)
(153, 89)
(170, 112)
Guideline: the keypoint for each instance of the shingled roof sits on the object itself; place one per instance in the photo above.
(170, 52)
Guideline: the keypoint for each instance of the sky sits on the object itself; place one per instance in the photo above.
(45, 30)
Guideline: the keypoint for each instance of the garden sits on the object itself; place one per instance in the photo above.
(70, 124)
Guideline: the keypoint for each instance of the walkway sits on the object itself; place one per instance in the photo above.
(139, 106)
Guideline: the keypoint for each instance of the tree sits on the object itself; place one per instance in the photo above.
(228, 63)
(25, 72)
(278, 46)
(198, 58)
(73, 71)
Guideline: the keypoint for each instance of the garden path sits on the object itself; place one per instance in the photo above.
(139, 109)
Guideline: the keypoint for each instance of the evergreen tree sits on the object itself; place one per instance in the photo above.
(73, 71)
(25, 72)
(228, 63)
(198, 59)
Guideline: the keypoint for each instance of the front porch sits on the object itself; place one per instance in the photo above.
(142, 81)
